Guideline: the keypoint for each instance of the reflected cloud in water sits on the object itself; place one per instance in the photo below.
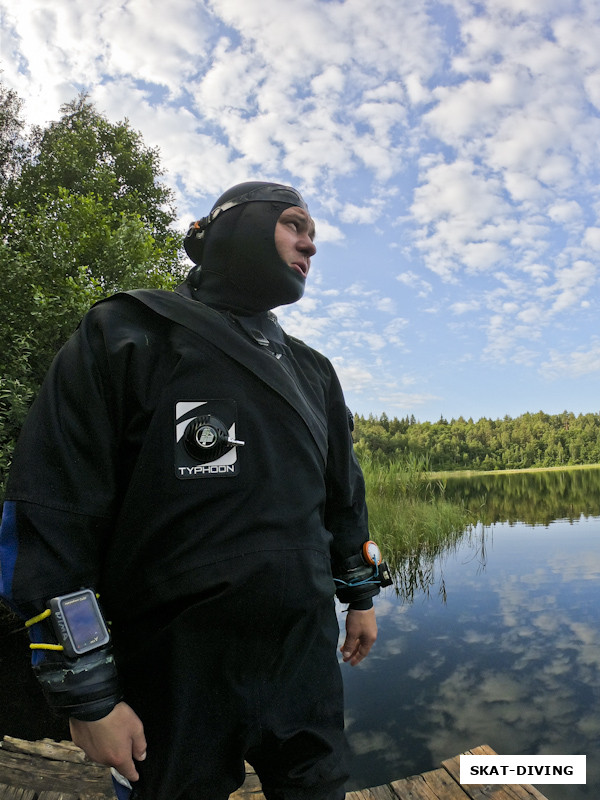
(512, 659)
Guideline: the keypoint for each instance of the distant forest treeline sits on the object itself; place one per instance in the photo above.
(531, 440)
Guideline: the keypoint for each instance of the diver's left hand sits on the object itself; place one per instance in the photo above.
(361, 632)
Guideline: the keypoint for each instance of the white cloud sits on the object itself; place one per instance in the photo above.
(413, 281)
(386, 304)
(329, 82)
(356, 214)
(393, 328)
(451, 205)
(352, 376)
(575, 364)
(573, 283)
(592, 88)
(343, 311)
(591, 238)
(406, 402)
(326, 232)
(465, 307)
(565, 211)
(472, 107)
(533, 315)
(374, 341)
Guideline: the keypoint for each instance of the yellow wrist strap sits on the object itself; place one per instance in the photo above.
(44, 615)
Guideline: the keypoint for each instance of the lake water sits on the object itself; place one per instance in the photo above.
(508, 654)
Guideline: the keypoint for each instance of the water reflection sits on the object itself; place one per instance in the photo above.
(511, 659)
(532, 497)
(420, 573)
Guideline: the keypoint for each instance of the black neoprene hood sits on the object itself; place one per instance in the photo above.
(238, 266)
(248, 192)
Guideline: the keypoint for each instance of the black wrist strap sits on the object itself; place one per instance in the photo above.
(361, 605)
(86, 688)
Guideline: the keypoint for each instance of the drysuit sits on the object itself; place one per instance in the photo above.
(216, 574)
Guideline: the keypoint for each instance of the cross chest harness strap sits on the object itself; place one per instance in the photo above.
(210, 325)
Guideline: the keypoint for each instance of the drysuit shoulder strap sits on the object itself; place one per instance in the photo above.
(211, 326)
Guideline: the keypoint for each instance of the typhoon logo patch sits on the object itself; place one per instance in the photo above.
(206, 445)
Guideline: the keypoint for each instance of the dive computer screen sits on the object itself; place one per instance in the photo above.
(78, 622)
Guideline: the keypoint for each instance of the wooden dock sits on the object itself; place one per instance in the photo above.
(49, 770)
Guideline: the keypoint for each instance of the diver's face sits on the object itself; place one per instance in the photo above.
(294, 235)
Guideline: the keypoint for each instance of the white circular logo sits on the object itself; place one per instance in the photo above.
(206, 436)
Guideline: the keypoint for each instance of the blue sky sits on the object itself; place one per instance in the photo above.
(449, 153)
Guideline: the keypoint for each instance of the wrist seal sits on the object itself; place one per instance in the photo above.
(86, 688)
(361, 576)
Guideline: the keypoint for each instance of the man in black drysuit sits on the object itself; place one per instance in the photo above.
(192, 465)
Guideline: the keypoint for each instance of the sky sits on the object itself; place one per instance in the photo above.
(448, 152)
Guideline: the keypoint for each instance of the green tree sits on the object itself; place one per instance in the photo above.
(87, 154)
(531, 440)
(83, 214)
(12, 144)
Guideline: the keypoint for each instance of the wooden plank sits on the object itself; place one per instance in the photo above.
(46, 748)
(15, 793)
(87, 795)
(436, 785)
(414, 787)
(443, 786)
(376, 793)
(57, 796)
(494, 791)
(40, 774)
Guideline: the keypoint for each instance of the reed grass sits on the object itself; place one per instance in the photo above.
(412, 521)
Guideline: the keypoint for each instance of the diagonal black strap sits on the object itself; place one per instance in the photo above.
(211, 326)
